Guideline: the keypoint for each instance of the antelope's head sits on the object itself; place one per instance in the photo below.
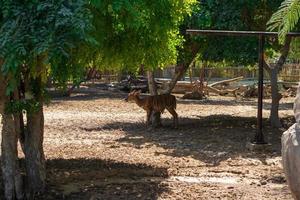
(132, 95)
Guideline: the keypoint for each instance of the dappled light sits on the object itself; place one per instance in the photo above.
(154, 100)
(95, 149)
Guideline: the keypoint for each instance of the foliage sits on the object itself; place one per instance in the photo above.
(53, 31)
(131, 33)
(232, 15)
(71, 35)
(294, 54)
(20, 106)
(285, 19)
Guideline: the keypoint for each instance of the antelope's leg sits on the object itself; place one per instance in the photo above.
(175, 116)
(148, 117)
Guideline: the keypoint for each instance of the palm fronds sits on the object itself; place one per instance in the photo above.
(285, 19)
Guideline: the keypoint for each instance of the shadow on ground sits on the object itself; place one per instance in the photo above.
(91, 179)
(88, 93)
(208, 139)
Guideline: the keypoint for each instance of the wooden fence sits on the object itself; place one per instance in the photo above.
(289, 73)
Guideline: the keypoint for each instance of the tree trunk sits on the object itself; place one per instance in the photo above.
(201, 79)
(273, 72)
(34, 154)
(13, 186)
(20, 129)
(19, 121)
(34, 135)
(2, 90)
(179, 72)
(186, 58)
(142, 70)
(202, 70)
(191, 75)
(151, 83)
(155, 116)
(276, 96)
(12, 179)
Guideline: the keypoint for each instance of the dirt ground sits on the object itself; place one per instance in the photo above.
(97, 147)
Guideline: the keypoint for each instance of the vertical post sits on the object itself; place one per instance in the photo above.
(259, 137)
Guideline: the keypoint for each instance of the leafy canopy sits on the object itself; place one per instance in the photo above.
(135, 32)
(52, 30)
(285, 18)
(70, 35)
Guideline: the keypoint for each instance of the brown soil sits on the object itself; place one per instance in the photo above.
(97, 147)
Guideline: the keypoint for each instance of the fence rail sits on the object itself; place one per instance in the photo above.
(289, 73)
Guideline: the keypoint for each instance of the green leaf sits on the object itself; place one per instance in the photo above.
(285, 19)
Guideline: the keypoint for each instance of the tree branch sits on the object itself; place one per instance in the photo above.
(177, 76)
(284, 53)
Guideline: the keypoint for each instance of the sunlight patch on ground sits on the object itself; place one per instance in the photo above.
(216, 180)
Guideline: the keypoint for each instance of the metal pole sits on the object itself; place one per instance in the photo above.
(238, 33)
(259, 137)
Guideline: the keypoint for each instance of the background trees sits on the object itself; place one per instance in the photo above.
(241, 15)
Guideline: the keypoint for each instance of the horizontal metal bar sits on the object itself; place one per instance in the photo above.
(238, 33)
